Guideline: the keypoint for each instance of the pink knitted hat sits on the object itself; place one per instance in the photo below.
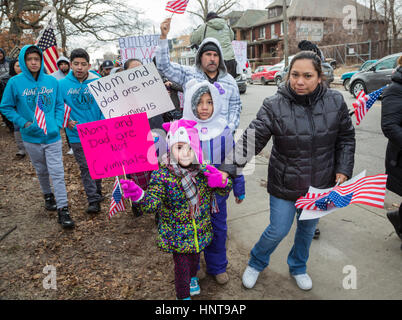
(184, 131)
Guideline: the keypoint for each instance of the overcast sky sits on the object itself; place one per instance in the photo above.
(154, 11)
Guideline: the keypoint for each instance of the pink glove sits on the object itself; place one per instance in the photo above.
(131, 190)
(214, 177)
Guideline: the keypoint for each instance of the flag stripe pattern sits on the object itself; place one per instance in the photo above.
(368, 190)
(364, 103)
(67, 111)
(117, 203)
(177, 6)
(40, 115)
(47, 43)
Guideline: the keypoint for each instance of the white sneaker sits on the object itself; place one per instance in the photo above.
(70, 151)
(303, 281)
(250, 277)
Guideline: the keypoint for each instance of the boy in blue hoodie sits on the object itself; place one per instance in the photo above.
(75, 92)
(45, 149)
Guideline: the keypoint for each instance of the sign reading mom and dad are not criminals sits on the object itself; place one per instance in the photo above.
(118, 146)
(132, 91)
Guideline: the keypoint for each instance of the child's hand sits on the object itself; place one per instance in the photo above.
(239, 200)
(131, 190)
(214, 177)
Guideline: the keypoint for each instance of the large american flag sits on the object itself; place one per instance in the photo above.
(364, 103)
(40, 115)
(177, 6)
(368, 190)
(67, 111)
(47, 43)
(117, 203)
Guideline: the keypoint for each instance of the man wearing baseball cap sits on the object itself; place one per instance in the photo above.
(106, 67)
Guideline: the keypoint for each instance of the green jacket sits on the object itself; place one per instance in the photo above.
(216, 28)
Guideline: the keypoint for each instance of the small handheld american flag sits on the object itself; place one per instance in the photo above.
(67, 111)
(364, 103)
(40, 114)
(47, 43)
(117, 203)
(177, 6)
(368, 190)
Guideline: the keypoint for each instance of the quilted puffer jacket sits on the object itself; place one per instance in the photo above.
(391, 124)
(313, 139)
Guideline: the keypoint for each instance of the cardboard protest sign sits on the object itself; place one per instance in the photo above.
(139, 47)
(240, 51)
(132, 91)
(116, 146)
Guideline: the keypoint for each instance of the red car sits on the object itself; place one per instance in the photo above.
(264, 74)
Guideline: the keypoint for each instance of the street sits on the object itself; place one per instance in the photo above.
(358, 254)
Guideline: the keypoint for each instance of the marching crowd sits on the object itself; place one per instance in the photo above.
(313, 145)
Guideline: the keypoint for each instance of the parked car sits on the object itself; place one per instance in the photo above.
(348, 75)
(326, 69)
(247, 71)
(241, 81)
(375, 77)
(264, 74)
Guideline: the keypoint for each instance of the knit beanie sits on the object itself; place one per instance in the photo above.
(210, 46)
(195, 99)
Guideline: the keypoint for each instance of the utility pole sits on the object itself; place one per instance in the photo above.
(285, 33)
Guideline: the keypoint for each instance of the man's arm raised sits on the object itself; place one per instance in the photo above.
(172, 71)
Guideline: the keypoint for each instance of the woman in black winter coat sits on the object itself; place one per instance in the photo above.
(313, 145)
(391, 125)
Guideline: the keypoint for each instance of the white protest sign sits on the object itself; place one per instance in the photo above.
(315, 214)
(132, 91)
(139, 47)
(240, 51)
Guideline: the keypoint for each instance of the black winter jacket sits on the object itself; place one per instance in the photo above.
(391, 125)
(313, 139)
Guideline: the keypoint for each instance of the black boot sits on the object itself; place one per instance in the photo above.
(102, 198)
(393, 217)
(64, 218)
(94, 207)
(136, 211)
(50, 202)
(317, 234)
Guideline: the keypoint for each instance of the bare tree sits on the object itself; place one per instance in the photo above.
(218, 6)
(102, 20)
(19, 16)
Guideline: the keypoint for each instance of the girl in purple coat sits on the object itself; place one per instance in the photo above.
(203, 103)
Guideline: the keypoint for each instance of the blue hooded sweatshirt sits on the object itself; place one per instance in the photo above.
(20, 98)
(84, 108)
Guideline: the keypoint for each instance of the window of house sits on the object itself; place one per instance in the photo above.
(262, 33)
(272, 31)
(281, 28)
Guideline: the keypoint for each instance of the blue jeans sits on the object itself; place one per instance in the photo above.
(281, 220)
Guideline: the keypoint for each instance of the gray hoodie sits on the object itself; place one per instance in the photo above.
(59, 74)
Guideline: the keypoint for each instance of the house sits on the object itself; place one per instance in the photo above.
(324, 22)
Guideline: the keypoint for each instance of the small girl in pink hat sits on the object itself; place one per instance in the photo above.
(182, 191)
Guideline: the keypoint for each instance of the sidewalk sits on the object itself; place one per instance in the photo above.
(358, 236)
